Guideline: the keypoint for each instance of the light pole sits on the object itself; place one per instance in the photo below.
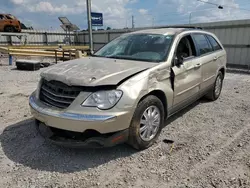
(190, 15)
(133, 22)
(90, 26)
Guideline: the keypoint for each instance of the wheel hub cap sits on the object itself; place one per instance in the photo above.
(218, 86)
(150, 123)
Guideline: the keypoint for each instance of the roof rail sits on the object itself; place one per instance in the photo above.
(181, 26)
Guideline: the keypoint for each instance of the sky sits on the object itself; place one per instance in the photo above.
(43, 14)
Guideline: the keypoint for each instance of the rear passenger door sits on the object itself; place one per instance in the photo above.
(208, 59)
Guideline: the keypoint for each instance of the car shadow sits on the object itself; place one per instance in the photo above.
(22, 144)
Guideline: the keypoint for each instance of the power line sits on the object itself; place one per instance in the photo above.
(208, 2)
(222, 5)
(167, 15)
(170, 17)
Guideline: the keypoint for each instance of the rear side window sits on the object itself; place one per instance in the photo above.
(216, 46)
(9, 17)
(203, 44)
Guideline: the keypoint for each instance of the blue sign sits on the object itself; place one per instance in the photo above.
(97, 19)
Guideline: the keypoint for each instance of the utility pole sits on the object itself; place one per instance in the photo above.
(133, 22)
(90, 26)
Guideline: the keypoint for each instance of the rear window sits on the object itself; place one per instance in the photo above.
(216, 46)
(203, 44)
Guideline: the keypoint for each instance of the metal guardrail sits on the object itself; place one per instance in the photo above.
(13, 34)
(36, 37)
(45, 47)
(65, 52)
(21, 36)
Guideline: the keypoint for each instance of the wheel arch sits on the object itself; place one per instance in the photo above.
(161, 96)
(223, 71)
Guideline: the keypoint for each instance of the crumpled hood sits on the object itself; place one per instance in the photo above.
(94, 71)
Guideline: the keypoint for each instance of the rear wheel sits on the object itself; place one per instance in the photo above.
(147, 123)
(215, 92)
(9, 29)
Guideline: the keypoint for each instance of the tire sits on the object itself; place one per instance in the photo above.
(9, 29)
(215, 92)
(136, 138)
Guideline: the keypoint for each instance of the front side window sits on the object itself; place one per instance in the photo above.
(140, 47)
(216, 46)
(202, 42)
(185, 48)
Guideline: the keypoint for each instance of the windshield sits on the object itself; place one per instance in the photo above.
(141, 47)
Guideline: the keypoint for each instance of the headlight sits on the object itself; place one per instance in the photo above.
(37, 93)
(38, 88)
(103, 99)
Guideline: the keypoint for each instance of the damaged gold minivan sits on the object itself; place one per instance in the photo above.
(127, 89)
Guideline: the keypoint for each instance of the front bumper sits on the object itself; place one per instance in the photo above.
(73, 120)
(92, 142)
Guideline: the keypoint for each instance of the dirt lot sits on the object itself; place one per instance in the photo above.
(211, 145)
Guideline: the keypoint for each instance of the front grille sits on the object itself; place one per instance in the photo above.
(58, 94)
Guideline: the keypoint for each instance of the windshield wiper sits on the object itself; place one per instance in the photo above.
(133, 59)
(116, 57)
(93, 55)
(128, 58)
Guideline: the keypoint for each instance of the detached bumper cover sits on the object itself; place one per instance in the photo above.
(69, 116)
(93, 142)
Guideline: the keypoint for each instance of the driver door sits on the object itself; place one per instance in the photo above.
(187, 73)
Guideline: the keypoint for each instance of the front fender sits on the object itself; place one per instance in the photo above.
(143, 84)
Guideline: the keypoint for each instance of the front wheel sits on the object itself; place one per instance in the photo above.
(215, 92)
(147, 123)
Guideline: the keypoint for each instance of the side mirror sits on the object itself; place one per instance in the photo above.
(178, 61)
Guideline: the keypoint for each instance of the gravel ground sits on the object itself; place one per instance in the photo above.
(211, 145)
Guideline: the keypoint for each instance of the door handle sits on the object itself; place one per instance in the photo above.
(215, 58)
(197, 66)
